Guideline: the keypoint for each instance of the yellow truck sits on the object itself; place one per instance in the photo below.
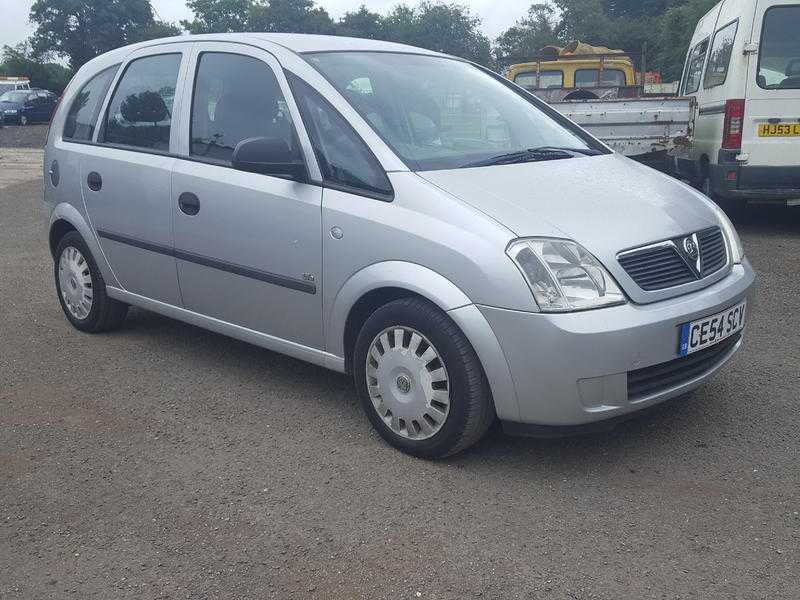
(577, 72)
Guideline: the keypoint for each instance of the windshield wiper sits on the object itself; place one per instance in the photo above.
(531, 155)
(584, 151)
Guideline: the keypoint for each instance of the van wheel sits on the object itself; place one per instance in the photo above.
(81, 289)
(420, 381)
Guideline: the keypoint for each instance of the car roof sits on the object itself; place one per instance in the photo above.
(295, 42)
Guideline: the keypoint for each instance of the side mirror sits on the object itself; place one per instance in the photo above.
(268, 156)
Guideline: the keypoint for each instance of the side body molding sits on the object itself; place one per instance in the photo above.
(447, 296)
(65, 211)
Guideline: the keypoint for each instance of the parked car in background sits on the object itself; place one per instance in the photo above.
(23, 107)
(743, 67)
(462, 249)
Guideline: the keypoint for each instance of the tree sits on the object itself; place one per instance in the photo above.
(448, 28)
(146, 107)
(296, 16)
(529, 34)
(21, 61)
(79, 30)
(363, 24)
(673, 34)
(219, 16)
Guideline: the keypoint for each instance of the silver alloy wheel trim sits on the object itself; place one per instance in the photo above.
(407, 382)
(75, 282)
(23, 120)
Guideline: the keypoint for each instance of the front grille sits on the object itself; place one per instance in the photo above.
(657, 267)
(713, 254)
(651, 380)
(667, 264)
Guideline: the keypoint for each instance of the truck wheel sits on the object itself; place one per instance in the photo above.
(420, 381)
(81, 289)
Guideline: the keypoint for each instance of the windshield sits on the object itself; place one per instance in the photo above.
(439, 113)
(14, 96)
(779, 57)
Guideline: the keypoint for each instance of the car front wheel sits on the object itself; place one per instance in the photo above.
(420, 381)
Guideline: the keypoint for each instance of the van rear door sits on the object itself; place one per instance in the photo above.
(771, 128)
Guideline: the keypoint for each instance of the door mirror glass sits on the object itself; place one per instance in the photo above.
(268, 156)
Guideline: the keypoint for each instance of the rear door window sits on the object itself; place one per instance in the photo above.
(720, 57)
(694, 67)
(85, 108)
(236, 97)
(779, 55)
(140, 111)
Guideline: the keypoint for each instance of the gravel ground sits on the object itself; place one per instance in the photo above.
(31, 136)
(164, 461)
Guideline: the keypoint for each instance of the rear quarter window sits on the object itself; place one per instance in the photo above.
(85, 107)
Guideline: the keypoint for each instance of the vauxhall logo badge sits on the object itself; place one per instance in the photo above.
(691, 253)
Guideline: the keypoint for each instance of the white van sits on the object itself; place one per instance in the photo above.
(743, 66)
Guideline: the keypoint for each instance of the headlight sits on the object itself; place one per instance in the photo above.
(730, 233)
(563, 276)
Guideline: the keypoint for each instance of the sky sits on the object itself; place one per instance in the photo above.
(496, 15)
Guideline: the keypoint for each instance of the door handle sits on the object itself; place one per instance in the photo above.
(94, 181)
(189, 203)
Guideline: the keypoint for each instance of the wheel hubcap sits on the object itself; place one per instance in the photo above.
(75, 282)
(408, 383)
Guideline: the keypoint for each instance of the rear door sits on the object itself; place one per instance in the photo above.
(126, 173)
(771, 135)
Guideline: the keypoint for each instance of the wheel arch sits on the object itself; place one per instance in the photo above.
(65, 218)
(380, 283)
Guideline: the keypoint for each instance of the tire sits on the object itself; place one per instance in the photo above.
(444, 428)
(75, 280)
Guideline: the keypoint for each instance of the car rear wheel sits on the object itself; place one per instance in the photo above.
(81, 289)
(420, 381)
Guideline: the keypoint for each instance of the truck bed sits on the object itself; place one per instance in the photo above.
(642, 128)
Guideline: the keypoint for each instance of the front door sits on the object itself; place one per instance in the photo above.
(126, 176)
(248, 246)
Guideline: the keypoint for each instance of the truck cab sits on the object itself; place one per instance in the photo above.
(576, 72)
(743, 67)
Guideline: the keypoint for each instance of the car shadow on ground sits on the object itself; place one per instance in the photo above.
(764, 218)
(674, 422)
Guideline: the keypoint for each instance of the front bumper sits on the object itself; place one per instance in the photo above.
(572, 369)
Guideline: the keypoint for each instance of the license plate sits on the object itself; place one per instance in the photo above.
(711, 330)
(779, 130)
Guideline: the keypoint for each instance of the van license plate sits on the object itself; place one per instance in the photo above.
(779, 130)
(711, 330)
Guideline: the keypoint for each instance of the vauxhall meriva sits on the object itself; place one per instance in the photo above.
(408, 217)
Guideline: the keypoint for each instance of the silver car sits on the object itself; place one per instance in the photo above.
(465, 252)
